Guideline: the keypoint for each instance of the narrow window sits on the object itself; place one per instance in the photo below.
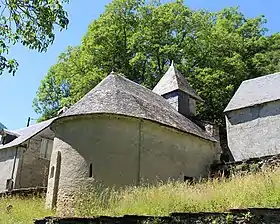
(90, 170)
(9, 184)
(52, 172)
(189, 179)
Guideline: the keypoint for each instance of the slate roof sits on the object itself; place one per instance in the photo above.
(256, 91)
(11, 132)
(27, 133)
(173, 80)
(117, 95)
(2, 126)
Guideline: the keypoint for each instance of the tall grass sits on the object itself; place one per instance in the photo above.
(17, 210)
(252, 190)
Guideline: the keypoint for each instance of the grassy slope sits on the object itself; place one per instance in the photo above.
(23, 210)
(255, 190)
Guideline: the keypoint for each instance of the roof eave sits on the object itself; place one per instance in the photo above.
(207, 137)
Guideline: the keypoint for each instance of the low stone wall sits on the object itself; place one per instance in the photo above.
(240, 216)
(246, 166)
(25, 192)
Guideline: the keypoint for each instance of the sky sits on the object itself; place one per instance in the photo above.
(19, 91)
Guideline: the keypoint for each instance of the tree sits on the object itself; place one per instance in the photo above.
(215, 51)
(31, 23)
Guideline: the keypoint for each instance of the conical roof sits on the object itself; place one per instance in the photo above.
(117, 95)
(173, 80)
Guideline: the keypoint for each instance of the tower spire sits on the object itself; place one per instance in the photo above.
(174, 88)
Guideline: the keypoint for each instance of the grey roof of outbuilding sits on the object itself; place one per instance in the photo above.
(173, 80)
(2, 126)
(117, 95)
(25, 134)
(256, 91)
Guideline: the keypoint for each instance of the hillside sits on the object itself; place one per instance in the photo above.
(253, 190)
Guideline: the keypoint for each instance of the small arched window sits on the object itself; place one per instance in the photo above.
(90, 170)
(52, 172)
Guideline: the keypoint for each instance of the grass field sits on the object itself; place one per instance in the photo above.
(23, 211)
(254, 190)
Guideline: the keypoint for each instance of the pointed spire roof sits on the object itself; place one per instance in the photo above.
(173, 80)
(118, 95)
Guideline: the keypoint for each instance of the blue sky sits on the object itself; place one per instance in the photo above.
(18, 91)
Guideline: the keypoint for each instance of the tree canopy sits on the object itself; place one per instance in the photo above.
(30, 23)
(215, 52)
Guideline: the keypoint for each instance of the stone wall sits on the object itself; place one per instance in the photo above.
(33, 170)
(9, 160)
(182, 102)
(254, 131)
(251, 165)
(235, 216)
(171, 155)
(122, 151)
(25, 192)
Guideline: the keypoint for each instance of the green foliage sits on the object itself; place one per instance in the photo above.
(30, 23)
(215, 51)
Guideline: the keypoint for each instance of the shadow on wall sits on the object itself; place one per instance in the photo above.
(254, 112)
(7, 154)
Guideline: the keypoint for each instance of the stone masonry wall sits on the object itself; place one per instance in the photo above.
(7, 164)
(252, 165)
(254, 131)
(152, 152)
(33, 170)
(236, 216)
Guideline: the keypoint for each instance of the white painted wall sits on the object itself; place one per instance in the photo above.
(7, 157)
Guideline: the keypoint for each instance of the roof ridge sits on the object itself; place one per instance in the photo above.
(261, 77)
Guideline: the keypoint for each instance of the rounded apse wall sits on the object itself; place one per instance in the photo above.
(95, 150)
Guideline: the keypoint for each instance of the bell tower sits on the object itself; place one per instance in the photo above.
(176, 90)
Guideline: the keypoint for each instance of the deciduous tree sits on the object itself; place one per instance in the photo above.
(215, 51)
(31, 23)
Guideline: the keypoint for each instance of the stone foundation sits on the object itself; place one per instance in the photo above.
(235, 216)
(226, 169)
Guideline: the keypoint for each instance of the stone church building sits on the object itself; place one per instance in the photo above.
(253, 118)
(121, 134)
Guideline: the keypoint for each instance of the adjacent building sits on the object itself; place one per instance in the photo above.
(25, 156)
(253, 118)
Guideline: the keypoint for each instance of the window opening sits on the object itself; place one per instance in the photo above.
(189, 179)
(90, 170)
(52, 172)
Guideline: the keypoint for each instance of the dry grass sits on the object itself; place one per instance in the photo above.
(254, 190)
(23, 210)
